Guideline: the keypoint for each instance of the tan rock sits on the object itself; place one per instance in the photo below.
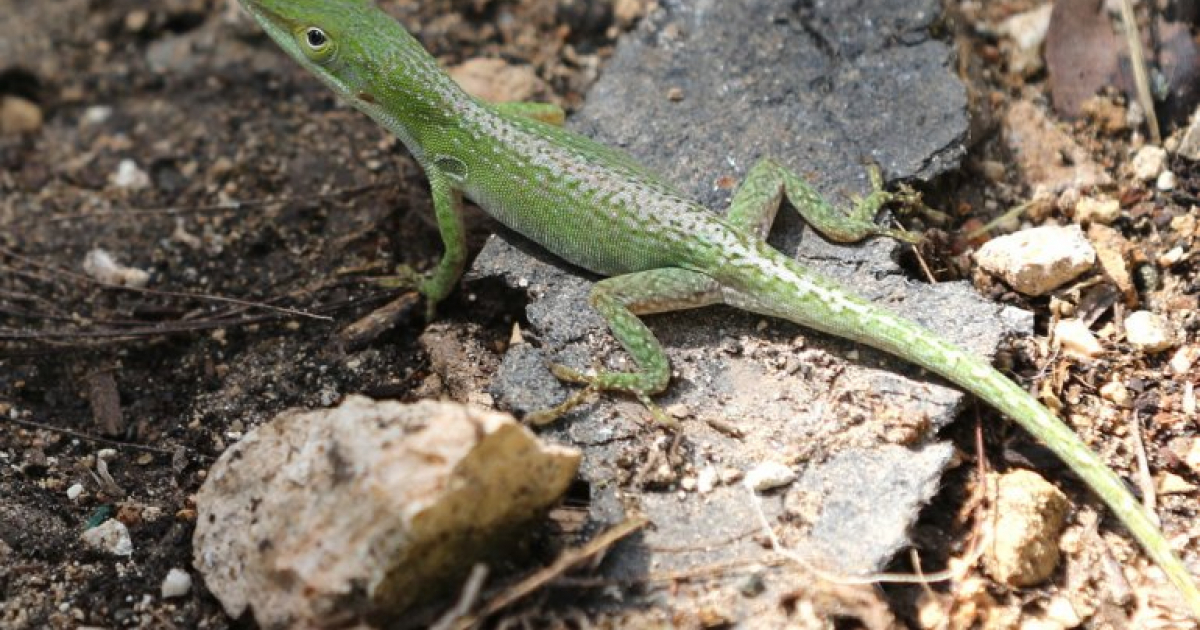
(368, 507)
(1022, 547)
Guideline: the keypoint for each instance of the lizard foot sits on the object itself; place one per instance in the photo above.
(592, 383)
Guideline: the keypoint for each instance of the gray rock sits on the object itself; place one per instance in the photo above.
(821, 89)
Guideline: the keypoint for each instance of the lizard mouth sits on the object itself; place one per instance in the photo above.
(269, 19)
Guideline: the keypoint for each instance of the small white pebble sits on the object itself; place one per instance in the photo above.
(768, 475)
(706, 480)
(96, 114)
(74, 491)
(1184, 358)
(101, 266)
(1171, 256)
(1165, 181)
(1077, 340)
(177, 583)
(1096, 210)
(688, 483)
(1149, 162)
(1116, 393)
(111, 536)
(1061, 609)
(1148, 331)
(129, 176)
(1170, 483)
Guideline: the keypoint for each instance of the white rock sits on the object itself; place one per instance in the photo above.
(110, 536)
(1148, 331)
(1116, 393)
(1077, 340)
(1170, 483)
(368, 506)
(707, 479)
(1149, 162)
(129, 176)
(1093, 210)
(1038, 260)
(1022, 536)
(100, 265)
(177, 584)
(1165, 182)
(768, 475)
(1027, 30)
(74, 491)
(1182, 361)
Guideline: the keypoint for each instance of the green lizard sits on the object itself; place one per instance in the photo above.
(596, 207)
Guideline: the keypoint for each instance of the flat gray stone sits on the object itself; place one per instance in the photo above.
(821, 89)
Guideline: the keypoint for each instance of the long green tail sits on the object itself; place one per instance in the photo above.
(817, 303)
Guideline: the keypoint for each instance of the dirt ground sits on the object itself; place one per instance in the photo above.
(264, 212)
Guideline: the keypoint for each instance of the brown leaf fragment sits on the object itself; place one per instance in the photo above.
(106, 402)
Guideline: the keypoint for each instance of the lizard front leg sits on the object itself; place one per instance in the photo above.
(620, 300)
(447, 207)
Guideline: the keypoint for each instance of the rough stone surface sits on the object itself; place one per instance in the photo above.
(1038, 260)
(1049, 159)
(366, 508)
(1022, 547)
(756, 80)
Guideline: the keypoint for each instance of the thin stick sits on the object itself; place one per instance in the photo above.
(1141, 77)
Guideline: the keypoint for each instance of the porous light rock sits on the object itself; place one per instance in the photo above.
(1022, 548)
(1038, 260)
(367, 508)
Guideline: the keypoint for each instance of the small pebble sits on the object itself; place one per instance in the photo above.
(1023, 535)
(1149, 162)
(1093, 210)
(74, 491)
(1116, 393)
(1148, 331)
(129, 176)
(18, 115)
(1077, 340)
(1038, 260)
(1184, 358)
(101, 266)
(1165, 181)
(110, 536)
(177, 584)
(706, 480)
(1170, 483)
(769, 475)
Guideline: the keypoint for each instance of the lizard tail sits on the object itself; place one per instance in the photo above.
(799, 296)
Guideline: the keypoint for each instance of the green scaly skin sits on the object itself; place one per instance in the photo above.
(597, 208)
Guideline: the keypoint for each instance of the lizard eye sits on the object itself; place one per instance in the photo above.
(317, 44)
(315, 38)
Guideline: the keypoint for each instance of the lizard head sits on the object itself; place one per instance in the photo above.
(340, 41)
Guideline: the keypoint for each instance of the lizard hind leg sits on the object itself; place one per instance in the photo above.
(620, 300)
(757, 200)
